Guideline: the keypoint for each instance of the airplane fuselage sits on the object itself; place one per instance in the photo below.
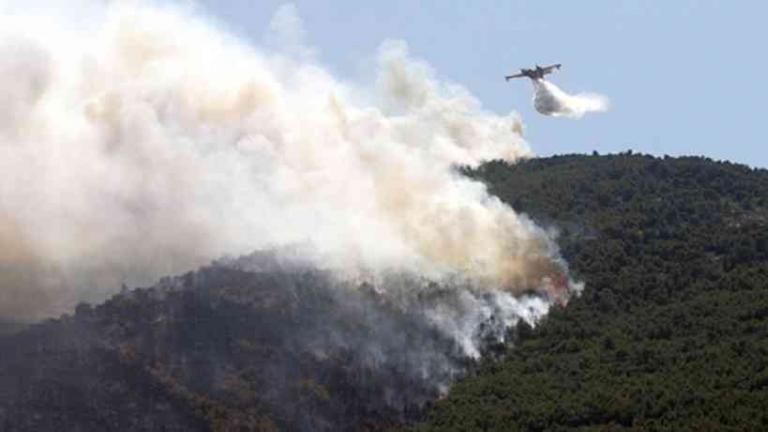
(537, 73)
(534, 74)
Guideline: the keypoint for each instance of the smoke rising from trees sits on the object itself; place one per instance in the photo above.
(148, 142)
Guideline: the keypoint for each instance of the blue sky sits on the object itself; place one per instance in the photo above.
(683, 77)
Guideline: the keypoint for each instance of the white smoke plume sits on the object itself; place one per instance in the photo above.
(144, 141)
(548, 99)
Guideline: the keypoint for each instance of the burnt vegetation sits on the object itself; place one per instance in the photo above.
(229, 347)
(670, 334)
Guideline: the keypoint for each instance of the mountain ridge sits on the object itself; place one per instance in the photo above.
(679, 240)
(670, 332)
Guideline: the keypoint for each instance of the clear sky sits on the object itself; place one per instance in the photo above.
(683, 76)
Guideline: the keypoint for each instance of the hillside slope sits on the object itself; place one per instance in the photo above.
(671, 333)
(249, 344)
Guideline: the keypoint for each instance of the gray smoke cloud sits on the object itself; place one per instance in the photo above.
(548, 99)
(143, 141)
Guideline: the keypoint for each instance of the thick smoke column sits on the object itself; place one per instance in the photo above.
(550, 100)
(151, 142)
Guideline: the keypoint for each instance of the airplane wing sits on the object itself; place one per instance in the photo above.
(509, 77)
(550, 68)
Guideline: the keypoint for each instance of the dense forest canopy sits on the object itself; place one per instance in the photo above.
(671, 332)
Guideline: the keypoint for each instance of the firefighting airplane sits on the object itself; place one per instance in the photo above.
(534, 74)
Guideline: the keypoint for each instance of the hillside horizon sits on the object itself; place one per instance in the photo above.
(669, 333)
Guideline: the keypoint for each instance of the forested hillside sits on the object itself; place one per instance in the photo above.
(671, 332)
(247, 344)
